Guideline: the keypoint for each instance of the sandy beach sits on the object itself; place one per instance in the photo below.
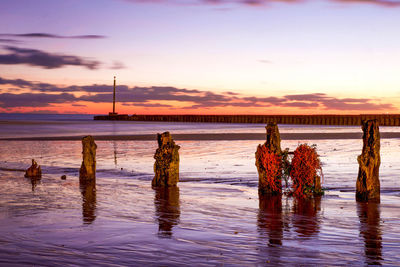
(215, 216)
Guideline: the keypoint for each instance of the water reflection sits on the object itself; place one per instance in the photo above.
(270, 221)
(88, 190)
(305, 216)
(167, 209)
(34, 182)
(370, 230)
(115, 153)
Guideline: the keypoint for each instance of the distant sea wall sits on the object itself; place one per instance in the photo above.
(383, 119)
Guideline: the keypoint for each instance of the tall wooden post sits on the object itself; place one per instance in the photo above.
(368, 186)
(114, 96)
(166, 167)
(273, 141)
(87, 171)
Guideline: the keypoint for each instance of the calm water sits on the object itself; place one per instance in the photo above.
(215, 217)
(38, 125)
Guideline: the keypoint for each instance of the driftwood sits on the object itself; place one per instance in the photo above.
(166, 167)
(368, 186)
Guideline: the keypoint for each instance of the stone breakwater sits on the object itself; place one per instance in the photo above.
(382, 119)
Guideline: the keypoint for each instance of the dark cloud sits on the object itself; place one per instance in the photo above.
(17, 82)
(384, 3)
(9, 41)
(328, 102)
(43, 59)
(214, 2)
(117, 65)
(8, 100)
(148, 105)
(306, 97)
(52, 36)
(41, 94)
(299, 104)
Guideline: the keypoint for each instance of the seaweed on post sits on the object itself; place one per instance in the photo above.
(306, 171)
(269, 169)
(269, 162)
(166, 166)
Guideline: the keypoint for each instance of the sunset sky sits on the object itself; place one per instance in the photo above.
(200, 56)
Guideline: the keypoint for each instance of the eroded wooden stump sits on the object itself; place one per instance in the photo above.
(368, 186)
(87, 171)
(273, 142)
(166, 167)
(269, 163)
(34, 171)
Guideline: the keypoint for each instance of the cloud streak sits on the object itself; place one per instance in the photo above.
(34, 57)
(383, 3)
(8, 41)
(51, 36)
(257, 3)
(8, 100)
(41, 94)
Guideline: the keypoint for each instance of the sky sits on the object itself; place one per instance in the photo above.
(200, 56)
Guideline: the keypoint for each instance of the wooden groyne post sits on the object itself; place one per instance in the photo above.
(354, 120)
(268, 162)
(368, 186)
(166, 167)
(34, 171)
(87, 171)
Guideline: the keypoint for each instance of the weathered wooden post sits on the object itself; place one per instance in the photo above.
(273, 141)
(368, 187)
(269, 163)
(87, 171)
(34, 171)
(166, 167)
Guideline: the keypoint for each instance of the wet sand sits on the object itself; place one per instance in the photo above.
(215, 217)
(121, 223)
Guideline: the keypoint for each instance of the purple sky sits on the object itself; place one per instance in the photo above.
(338, 56)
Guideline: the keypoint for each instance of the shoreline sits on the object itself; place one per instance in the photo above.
(208, 137)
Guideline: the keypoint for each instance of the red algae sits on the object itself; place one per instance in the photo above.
(306, 171)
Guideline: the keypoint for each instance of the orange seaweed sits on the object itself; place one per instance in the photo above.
(272, 165)
(305, 169)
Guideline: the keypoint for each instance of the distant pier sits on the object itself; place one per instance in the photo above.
(383, 119)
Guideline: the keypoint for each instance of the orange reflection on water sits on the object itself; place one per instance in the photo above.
(88, 190)
(270, 221)
(167, 209)
(305, 216)
(370, 230)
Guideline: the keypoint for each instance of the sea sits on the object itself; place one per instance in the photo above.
(214, 217)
